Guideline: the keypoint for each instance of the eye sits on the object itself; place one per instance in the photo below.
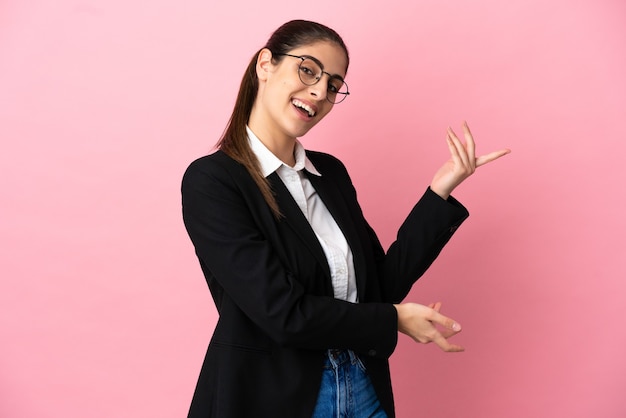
(334, 85)
(307, 70)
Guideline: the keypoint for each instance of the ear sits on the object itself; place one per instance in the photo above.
(264, 64)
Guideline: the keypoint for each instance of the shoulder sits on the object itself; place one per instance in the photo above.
(214, 164)
(333, 171)
(326, 163)
(216, 168)
(216, 161)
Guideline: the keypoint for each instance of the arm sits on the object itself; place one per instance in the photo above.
(420, 239)
(430, 224)
(417, 321)
(433, 220)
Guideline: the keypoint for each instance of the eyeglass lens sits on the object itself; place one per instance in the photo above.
(310, 73)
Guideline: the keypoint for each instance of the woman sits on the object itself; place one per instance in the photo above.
(309, 303)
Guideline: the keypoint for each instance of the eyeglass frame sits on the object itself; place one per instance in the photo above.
(331, 76)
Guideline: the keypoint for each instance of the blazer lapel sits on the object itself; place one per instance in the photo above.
(333, 198)
(294, 217)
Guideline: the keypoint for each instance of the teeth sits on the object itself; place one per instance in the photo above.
(301, 105)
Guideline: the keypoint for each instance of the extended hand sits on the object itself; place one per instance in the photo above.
(419, 322)
(462, 162)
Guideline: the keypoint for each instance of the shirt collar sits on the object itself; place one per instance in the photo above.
(270, 163)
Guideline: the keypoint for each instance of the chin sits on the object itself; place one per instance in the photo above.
(304, 131)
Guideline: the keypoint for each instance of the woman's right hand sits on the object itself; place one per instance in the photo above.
(420, 323)
(462, 163)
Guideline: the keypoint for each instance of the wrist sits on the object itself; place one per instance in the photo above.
(401, 311)
(442, 193)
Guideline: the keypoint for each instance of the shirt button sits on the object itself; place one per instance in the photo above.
(371, 353)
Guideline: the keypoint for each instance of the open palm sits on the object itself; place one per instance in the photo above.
(462, 163)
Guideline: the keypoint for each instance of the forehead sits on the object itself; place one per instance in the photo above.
(331, 55)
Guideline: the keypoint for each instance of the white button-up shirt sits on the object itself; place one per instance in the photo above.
(329, 235)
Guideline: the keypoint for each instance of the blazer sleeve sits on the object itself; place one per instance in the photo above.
(224, 228)
(426, 230)
(420, 239)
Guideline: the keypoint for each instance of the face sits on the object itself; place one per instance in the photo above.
(285, 107)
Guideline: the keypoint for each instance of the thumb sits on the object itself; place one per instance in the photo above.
(484, 159)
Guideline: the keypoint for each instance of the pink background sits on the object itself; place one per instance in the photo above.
(103, 308)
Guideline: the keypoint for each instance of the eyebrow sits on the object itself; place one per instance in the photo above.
(318, 62)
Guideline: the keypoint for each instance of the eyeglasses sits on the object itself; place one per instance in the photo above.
(310, 72)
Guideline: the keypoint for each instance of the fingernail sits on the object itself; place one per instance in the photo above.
(456, 327)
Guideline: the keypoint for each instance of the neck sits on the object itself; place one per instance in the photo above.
(281, 146)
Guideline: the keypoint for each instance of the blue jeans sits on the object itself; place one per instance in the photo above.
(346, 390)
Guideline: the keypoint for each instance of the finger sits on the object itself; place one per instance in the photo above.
(454, 152)
(460, 148)
(445, 345)
(484, 159)
(471, 145)
(445, 322)
(447, 333)
(435, 305)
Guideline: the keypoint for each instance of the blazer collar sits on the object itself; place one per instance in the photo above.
(270, 163)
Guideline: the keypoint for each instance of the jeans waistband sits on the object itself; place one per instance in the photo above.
(335, 358)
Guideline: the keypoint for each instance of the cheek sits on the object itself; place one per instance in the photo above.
(326, 110)
(284, 87)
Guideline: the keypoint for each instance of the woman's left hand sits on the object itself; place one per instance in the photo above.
(425, 324)
(462, 162)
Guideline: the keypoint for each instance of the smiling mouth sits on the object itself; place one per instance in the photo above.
(304, 108)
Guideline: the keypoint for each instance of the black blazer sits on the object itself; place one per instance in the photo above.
(271, 284)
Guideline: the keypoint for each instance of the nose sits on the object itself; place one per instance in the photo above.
(319, 90)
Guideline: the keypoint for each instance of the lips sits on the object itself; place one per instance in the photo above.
(305, 108)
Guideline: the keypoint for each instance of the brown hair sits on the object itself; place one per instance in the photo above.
(234, 140)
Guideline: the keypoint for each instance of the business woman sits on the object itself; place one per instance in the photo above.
(309, 303)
